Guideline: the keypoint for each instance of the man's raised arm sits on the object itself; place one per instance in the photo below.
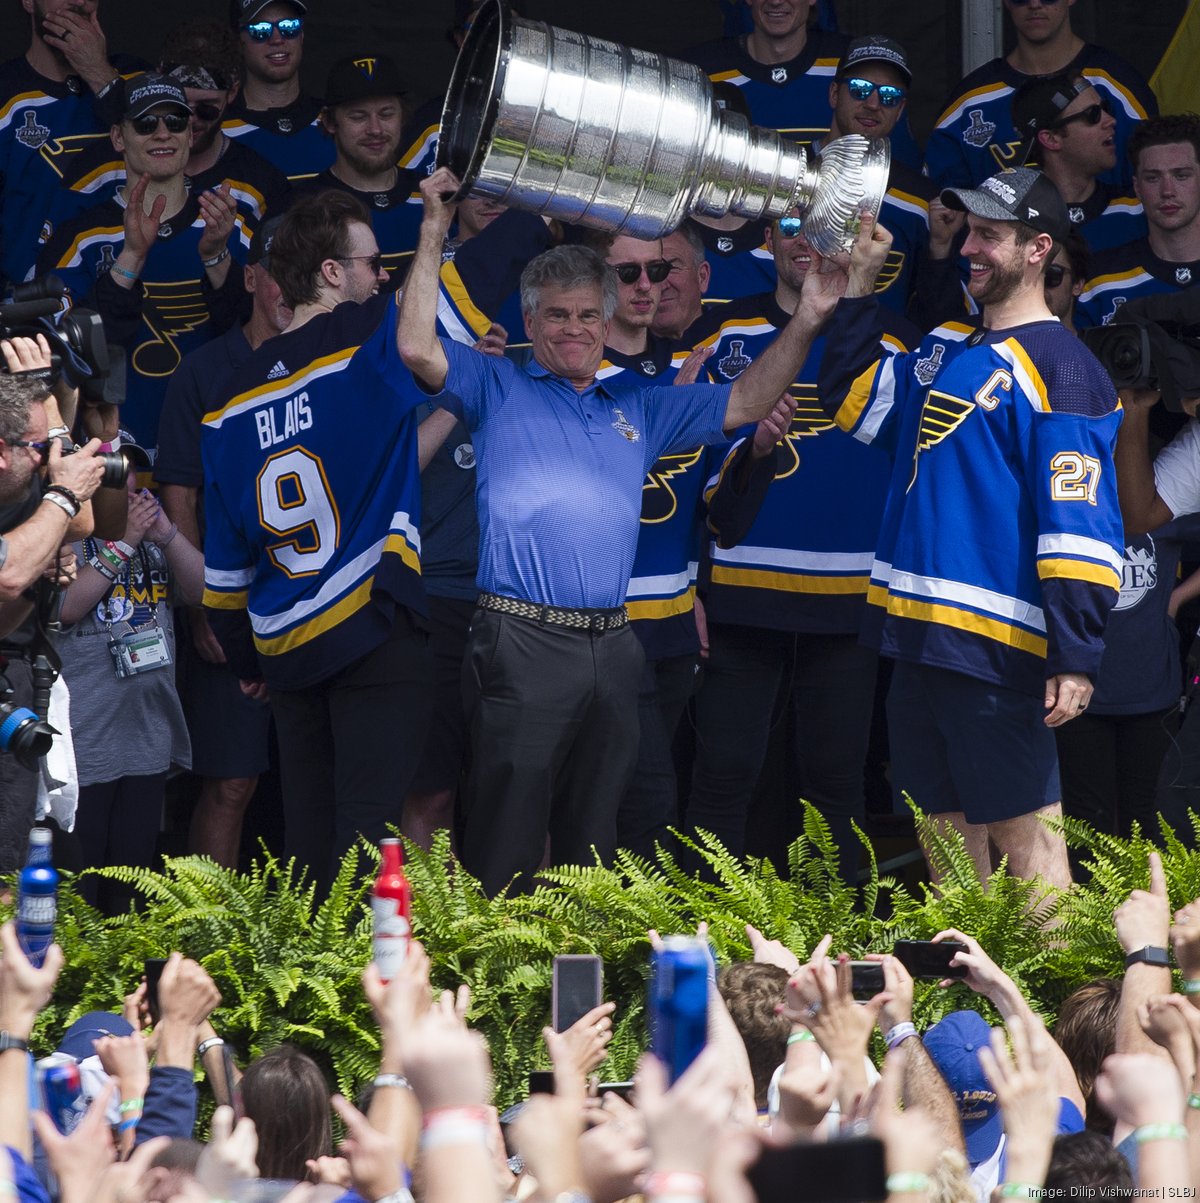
(771, 374)
(416, 329)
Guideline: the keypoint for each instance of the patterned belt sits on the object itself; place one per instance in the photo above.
(558, 616)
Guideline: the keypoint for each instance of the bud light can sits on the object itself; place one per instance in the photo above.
(61, 1091)
(678, 1002)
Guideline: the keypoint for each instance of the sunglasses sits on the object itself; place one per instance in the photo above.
(657, 270)
(261, 31)
(374, 262)
(790, 227)
(1055, 274)
(1092, 115)
(207, 110)
(148, 124)
(42, 447)
(889, 94)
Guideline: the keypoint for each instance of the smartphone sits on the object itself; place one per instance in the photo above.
(624, 1089)
(677, 1002)
(866, 979)
(578, 987)
(541, 1081)
(153, 968)
(924, 958)
(835, 1171)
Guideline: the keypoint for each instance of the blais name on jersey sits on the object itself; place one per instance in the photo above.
(297, 416)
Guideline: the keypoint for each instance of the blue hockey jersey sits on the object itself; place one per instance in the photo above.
(291, 137)
(662, 588)
(999, 555)
(796, 554)
(974, 136)
(1126, 272)
(44, 125)
(158, 321)
(1108, 218)
(312, 493)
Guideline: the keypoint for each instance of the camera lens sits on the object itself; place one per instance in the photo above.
(116, 470)
(25, 735)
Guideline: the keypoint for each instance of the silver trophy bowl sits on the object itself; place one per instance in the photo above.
(594, 133)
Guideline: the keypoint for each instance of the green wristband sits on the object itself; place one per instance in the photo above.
(131, 1105)
(1159, 1132)
(800, 1037)
(1021, 1190)
(907, 1182)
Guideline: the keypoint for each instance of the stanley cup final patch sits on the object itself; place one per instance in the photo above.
(625, 428)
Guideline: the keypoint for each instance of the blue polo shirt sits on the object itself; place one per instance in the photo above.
(560, 473)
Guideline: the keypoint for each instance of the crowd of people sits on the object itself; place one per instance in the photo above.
(781, 1098)
(472, 507)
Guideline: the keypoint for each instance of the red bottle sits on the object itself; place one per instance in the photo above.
(391, 905)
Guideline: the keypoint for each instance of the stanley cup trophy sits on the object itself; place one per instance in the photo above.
(594, 133)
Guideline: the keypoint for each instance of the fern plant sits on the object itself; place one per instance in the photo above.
(289, 967)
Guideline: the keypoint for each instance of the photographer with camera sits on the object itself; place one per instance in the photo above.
(36, 519)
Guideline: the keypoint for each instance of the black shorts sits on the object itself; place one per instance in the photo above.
(445, 751)
(229, 731)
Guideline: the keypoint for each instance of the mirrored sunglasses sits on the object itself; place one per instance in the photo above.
(889, 94)
(261, 31)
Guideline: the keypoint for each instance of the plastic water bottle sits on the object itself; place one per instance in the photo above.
(37, 898)
(391, 904)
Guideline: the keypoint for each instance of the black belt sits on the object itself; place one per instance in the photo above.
(558, 616)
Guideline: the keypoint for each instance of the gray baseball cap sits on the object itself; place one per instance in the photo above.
(1019, 195)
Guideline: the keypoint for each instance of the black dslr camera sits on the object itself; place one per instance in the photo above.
(1153, 342)
(78, 348)
(22, 733)
(78, 351)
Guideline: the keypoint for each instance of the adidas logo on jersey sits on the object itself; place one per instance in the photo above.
(277, 371)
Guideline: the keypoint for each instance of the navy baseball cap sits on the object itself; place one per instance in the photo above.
(1038, 103)
(953, 1045)
(873, 49)
(147, 92)
(78, 1039)
(260, 244)
(1019, 195)
(362, 77)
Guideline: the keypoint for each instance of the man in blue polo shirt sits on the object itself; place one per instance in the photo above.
(552, 669)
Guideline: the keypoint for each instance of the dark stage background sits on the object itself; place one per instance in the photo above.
(414, 32)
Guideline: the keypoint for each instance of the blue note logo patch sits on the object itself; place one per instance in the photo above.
(978, 132)
(1107, 319)
(659, 502)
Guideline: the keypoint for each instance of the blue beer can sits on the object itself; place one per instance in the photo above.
(61, 1090)
(678, 1002)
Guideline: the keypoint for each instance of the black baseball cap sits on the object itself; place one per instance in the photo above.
(874, 49)
(242, 12)
(146, 92)
(361, 77)
(260, 244)
(1019, 195)
(1038, 103)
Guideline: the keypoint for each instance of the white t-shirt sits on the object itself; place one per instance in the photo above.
(1177, 471)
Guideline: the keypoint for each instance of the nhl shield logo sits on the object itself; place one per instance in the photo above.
(736, 362)
(779, 75)
(380, 200)
(648, 367)
(724, 245)
(284, 125)
(1183, 275)
(1076, 214)
(979, 132)
(32, 135)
